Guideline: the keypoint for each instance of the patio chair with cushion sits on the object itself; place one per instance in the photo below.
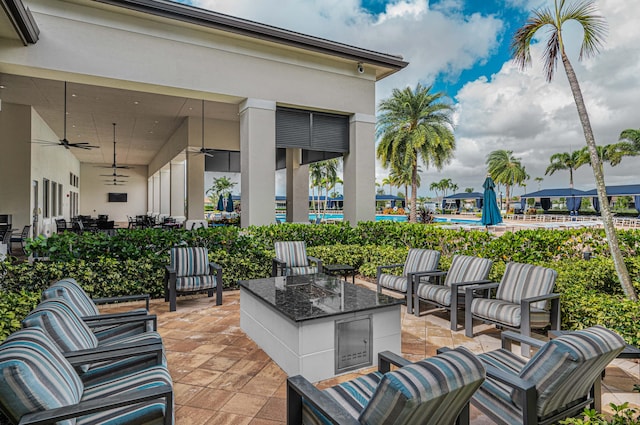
(189, 272)
(559, 381)
(436, 390)
(292, 260)
(72, 336)
(39, 385)
(464, 271)
(21, 238)
(419, 263)
(87, 309)
(520, 303)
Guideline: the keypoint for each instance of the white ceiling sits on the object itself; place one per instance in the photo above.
(144, 121)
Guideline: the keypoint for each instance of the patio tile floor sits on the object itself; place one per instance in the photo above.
(222, 377)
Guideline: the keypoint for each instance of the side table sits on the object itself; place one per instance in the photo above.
(343, 270)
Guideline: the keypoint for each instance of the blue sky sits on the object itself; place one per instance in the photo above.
(461, 47)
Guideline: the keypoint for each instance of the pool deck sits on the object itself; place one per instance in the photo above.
(222, 377)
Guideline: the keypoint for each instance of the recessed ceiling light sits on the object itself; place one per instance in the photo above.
(2, 86)
(135, 102)
(74, 95)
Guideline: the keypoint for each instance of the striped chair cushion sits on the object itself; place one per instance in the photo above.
(150, 412)
(465, 268)
(189, 261)
(62, 325)
(432, 391)
(292, 253)
(508, 313)
(396, 283)
(352, 395)
(421, 260)
(69, 289)
(195, 283)
(35, 376)
(566, 367)
(437, 293)
(522, 281)
(297, 271)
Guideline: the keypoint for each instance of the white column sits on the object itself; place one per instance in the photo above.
(359, 170)
(195, 187)
(150, 191)
(165, 191)
(297, 187)
(156, 194)
(258, 161)
(178, 179)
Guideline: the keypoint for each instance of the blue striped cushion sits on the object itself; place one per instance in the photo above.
(566, 367)
(522, 281)
(297, 271)
(466, 268)
(432, 391)
(508, 313)
(35, 376)
(438, 293)
(421, 260)
(292, 253)
(189, 261)
(62, 325)
(150, 412)
(352, 395)
(195, 283)
(397, 283)
(69, 289)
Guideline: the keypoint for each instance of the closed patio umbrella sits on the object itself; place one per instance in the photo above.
(220, 206)
(490, 211)
(229, 203)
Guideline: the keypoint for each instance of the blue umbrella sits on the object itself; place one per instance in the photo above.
(229, 203)
(220, 206)
(490, 211)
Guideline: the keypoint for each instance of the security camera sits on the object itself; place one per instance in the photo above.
(360, 68)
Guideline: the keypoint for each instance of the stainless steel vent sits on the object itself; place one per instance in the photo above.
(353, 344)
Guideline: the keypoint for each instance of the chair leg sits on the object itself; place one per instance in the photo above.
(468, 317)
(409, 293)
(525, 329)
(172, 295)
(463, 418)
(219, 287)
(294, 406)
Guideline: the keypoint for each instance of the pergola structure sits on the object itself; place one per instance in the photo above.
(178, 81)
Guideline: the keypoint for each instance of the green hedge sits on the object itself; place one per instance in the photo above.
(133, 261)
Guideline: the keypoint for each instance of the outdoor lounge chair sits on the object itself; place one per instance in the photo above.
(419, 263)
(57, 319)
(465, 270)
(21, 238)
(559, 381)
(432, 391)
(189, 272)
(39, 385)
(292, 260)
(520, 301)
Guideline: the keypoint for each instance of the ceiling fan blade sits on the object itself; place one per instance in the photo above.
(113, 175)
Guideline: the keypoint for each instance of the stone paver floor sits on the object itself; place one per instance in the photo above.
(222, 377)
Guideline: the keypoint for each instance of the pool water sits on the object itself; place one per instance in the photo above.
(386, 217)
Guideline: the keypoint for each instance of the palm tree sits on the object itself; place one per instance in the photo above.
(468, 190)
(388, 180)
(315, 177)
(564, 161)
(415, 125)
(632, 136)
(506, 169)
(612, 153)
(594, 27)
(221, 186)
(330, 178)
(539, 181)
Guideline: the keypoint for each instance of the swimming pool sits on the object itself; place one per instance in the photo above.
(456, 220)
(388, 217)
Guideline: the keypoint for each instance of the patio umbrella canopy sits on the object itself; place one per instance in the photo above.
(229, 203)
(490, 211)
(220, 206)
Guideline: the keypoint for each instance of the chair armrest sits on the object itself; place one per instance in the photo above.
(508, 337)
(113, 352)
(430, 273)
(277, 264)
(299, 388)
(551, 296)
(317, 261)
(511, 380)
(101, 404)
(124, 298)
(214, 266)
(388, 358)
(133, 313)
(479, 283)
(122, 320)
(390, 266)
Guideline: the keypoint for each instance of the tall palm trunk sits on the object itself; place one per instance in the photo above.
(596, 166)
(414, 191)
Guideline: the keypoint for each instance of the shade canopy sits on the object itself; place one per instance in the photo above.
(490, 211)
(229, 207)
(220, 206)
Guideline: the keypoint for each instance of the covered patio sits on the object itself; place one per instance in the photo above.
(222, 377)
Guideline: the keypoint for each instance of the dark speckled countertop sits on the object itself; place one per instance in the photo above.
(314, 296)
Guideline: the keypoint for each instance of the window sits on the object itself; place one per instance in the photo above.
(46, 201)
(60, 199)
(54, 199)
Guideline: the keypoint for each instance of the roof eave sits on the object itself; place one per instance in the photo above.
(22, 20)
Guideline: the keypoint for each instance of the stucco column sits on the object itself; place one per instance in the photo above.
(150, 195)
(359, 170)
(297, 187)
(177, 188)
(165, 191)
(257, 161)
(155, 208)
(195, 187)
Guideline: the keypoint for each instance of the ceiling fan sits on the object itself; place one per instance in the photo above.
(115, 182)
(115, 166)
(204, 151)
(65, 142)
